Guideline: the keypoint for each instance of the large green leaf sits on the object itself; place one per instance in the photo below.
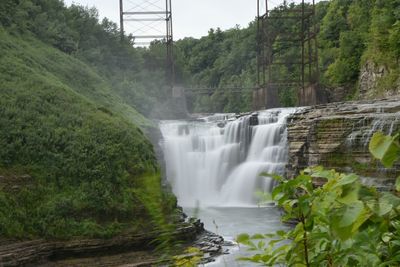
(385, 148)
(347, 220)
(350, 193)
(384, 207)
(322, 173)
(347, 179)
(387, 199)
(351, 213)
(349, 196)
(243, 238)
(397, 184)
(257, 236)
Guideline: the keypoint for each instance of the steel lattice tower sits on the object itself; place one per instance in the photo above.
(272, 41)
(147, 21)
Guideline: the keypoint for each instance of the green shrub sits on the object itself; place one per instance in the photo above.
(342, 223)
(77, 142)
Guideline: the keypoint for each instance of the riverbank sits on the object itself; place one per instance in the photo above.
(19, 253)
(123, 250)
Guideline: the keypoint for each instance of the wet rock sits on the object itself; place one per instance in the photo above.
(254, 119)
(210, 244)
(221, 124)
(337, 136)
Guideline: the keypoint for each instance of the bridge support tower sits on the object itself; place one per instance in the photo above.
(288, 26)
(147, 21)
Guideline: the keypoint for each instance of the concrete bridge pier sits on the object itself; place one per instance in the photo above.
(311, 95)
(179, 101)
(265, 98)
(258, 96)
(268, 97)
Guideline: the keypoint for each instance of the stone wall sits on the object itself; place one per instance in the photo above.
(337, 135)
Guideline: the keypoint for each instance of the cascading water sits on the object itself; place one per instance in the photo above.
(218, 162)
(366, 127)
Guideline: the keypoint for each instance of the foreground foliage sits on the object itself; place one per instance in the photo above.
(192, 258)
(342, 223)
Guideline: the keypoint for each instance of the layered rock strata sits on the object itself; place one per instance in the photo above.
(337, 135)
(35, 252)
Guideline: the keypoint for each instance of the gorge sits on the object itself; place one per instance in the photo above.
(214, 163)
(88, 121)
(217, 160)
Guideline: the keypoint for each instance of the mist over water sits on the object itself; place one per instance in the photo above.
(214, 164)
(218, 161)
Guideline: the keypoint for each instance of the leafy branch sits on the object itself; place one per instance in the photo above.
(342, 223)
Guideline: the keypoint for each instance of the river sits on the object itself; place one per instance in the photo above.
(214, 164)
(232, 221)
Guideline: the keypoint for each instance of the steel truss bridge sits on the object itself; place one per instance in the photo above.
(149, 20)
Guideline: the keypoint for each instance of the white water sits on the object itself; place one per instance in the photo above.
(211, 164)
(364, 129)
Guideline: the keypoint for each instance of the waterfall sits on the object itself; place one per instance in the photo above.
(218, 161)
(364, 129)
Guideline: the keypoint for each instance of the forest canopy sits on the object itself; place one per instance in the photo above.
(353, 36)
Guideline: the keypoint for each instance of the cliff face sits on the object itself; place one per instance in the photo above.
(371, 75)
(337, 136)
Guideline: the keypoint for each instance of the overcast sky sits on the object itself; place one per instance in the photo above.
(191, 18)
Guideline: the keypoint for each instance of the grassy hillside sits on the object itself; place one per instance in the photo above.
(72, 158)
(136, 75)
